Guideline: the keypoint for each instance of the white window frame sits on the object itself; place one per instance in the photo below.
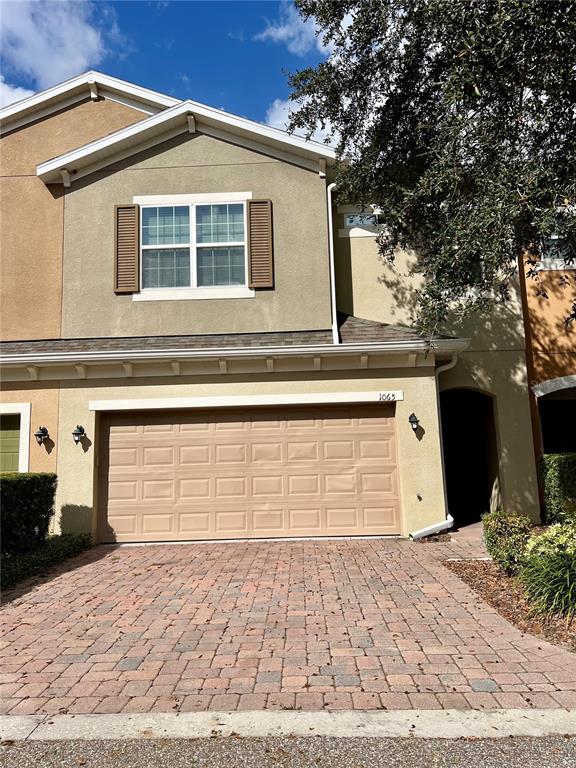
(23, 410)
(194, 291)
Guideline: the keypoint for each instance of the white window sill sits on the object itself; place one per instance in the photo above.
(554, 265)
(359, 232)
(190, 294)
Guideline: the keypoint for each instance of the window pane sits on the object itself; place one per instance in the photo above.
(221, 266)
(220, 223)
(167, 268)
(165, 225)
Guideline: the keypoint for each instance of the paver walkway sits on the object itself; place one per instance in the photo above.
(361, 624)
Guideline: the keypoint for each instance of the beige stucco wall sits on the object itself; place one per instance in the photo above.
(366, 286)
(31, 225)
(419, 474)
(193, 165)
(43, 412)
(495, 363)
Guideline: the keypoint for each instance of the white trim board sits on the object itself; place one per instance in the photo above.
(240, 401)
(23, 410)
(206, 197)
(194, 294)
(554, 385)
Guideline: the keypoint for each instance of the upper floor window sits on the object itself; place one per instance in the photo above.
(193, 246)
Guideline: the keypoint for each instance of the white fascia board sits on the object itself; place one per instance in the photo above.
(129, 140)
(384, 397)
(391, 347)
(76, 89)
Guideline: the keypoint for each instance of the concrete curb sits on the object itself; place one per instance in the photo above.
(447, 724)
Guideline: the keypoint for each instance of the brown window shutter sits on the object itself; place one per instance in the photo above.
(127, 262)
(260, 247)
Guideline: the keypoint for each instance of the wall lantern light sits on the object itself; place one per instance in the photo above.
(41, 434)
(414, 421)
(78, 433)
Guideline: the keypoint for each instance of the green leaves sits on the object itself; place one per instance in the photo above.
(458, 119)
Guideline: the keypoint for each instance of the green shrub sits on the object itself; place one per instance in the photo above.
(55, 549)
(559, 475)
(26, 506)
(506, 535)
(548, 570)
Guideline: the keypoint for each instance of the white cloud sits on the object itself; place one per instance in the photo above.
(11, 93)
(298, 35)
(48, 41)
(278, 116)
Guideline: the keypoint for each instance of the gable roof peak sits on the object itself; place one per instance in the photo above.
(91, 84)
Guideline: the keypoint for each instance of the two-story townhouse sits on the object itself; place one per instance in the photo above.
(211, 346)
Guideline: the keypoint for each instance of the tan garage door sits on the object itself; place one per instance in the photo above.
(249, 473)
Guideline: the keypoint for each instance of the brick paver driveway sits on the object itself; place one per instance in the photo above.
(320, 624)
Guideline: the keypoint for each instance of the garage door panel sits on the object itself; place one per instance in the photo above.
(267, 486)
(306, 485)
(249, 473)
(194, 454)
(195, 488)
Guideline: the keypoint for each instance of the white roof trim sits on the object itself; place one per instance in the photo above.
(172, 121)
(80, 88)
(395, 347)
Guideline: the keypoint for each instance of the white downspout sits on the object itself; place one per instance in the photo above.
(448, 522)
(335, 334)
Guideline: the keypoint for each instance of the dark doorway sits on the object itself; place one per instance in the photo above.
(557, 420)
(470, 453)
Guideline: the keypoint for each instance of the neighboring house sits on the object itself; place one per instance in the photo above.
(177, 283)
(551, 358)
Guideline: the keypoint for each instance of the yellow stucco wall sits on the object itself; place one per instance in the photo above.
(194, 165)
(495, 363)
(420, 471)
(31, 227)
(43, 412)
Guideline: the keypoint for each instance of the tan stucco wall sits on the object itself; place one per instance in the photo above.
(366, 286)
(43, 413)
(23, 149)
(553, 343)
(193, 165)
(420, 471)
(495, 362)
(31, 224)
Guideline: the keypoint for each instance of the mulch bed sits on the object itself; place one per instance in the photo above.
(505, 594)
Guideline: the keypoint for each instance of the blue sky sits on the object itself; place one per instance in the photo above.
(231, 54)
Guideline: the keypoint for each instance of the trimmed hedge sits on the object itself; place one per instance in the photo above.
(55, 549)
(559, 474)
(506, 536)
(26, 506)
(548, 570)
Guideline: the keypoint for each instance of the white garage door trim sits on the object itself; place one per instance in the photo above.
(231, 401)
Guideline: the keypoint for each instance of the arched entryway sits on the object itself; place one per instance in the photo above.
(470, 453)
(557, 419)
